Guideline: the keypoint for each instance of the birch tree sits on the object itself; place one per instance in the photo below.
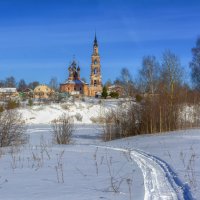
(195, 65)
(149, 74)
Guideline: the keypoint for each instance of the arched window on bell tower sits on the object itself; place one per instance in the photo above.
(95, 71)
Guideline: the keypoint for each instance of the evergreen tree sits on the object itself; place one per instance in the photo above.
(105, 92)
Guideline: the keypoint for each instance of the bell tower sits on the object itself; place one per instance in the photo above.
(95, 75)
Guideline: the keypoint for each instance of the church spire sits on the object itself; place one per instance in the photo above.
(95, 40)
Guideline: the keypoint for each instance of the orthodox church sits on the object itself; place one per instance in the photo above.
(75, 86)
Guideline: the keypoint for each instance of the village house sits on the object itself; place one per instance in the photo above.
(28, 93)
(116, 89)
(43, 92)
(8, 93)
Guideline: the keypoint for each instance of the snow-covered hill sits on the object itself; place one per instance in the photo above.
(82, 112)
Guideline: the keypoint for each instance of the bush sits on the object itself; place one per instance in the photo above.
(30, 102)
(1, 108)
(62, 129)
(12, 128)
(160, 113)
(11, 104)
(122, 122)
(78, 117)
(114, 95)
(83, 99)
(65, 106)
(98, 120)
(138, 98)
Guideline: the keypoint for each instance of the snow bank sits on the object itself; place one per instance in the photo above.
(82, 112)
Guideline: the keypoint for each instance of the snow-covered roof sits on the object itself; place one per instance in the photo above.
(114, 86)
(98, 93)
(8, 90)
(75, 82)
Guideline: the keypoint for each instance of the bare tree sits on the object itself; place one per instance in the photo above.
(171, 71)
(22, 85)
(195, 65)
(124, 121)
(53, 84)
(2, 83)
(12, 128)
(149, 74)
(62, 129)
(10, 82)
(160, 112)
(108, 83)
(126, 81)
(33, 85)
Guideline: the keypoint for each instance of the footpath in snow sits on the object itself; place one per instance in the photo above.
(160, 182)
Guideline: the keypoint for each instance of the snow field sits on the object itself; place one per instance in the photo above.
(160, 166)
(42, 170)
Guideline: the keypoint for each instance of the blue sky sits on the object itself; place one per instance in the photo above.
(38, 38)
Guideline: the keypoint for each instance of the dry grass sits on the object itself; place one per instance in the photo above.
(98, 120)
(62, 129)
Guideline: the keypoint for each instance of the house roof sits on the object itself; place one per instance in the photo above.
(8, 90)
(114, 86)
(43, 88)
(27, 90)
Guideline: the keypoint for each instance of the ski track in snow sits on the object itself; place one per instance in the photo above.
(160, 182)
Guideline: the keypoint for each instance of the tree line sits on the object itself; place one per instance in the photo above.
(156, 75)
(165, 102)
(10, 82)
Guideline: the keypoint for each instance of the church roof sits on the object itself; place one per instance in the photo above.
(78, 82)
(95, 40)
(73, 64)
